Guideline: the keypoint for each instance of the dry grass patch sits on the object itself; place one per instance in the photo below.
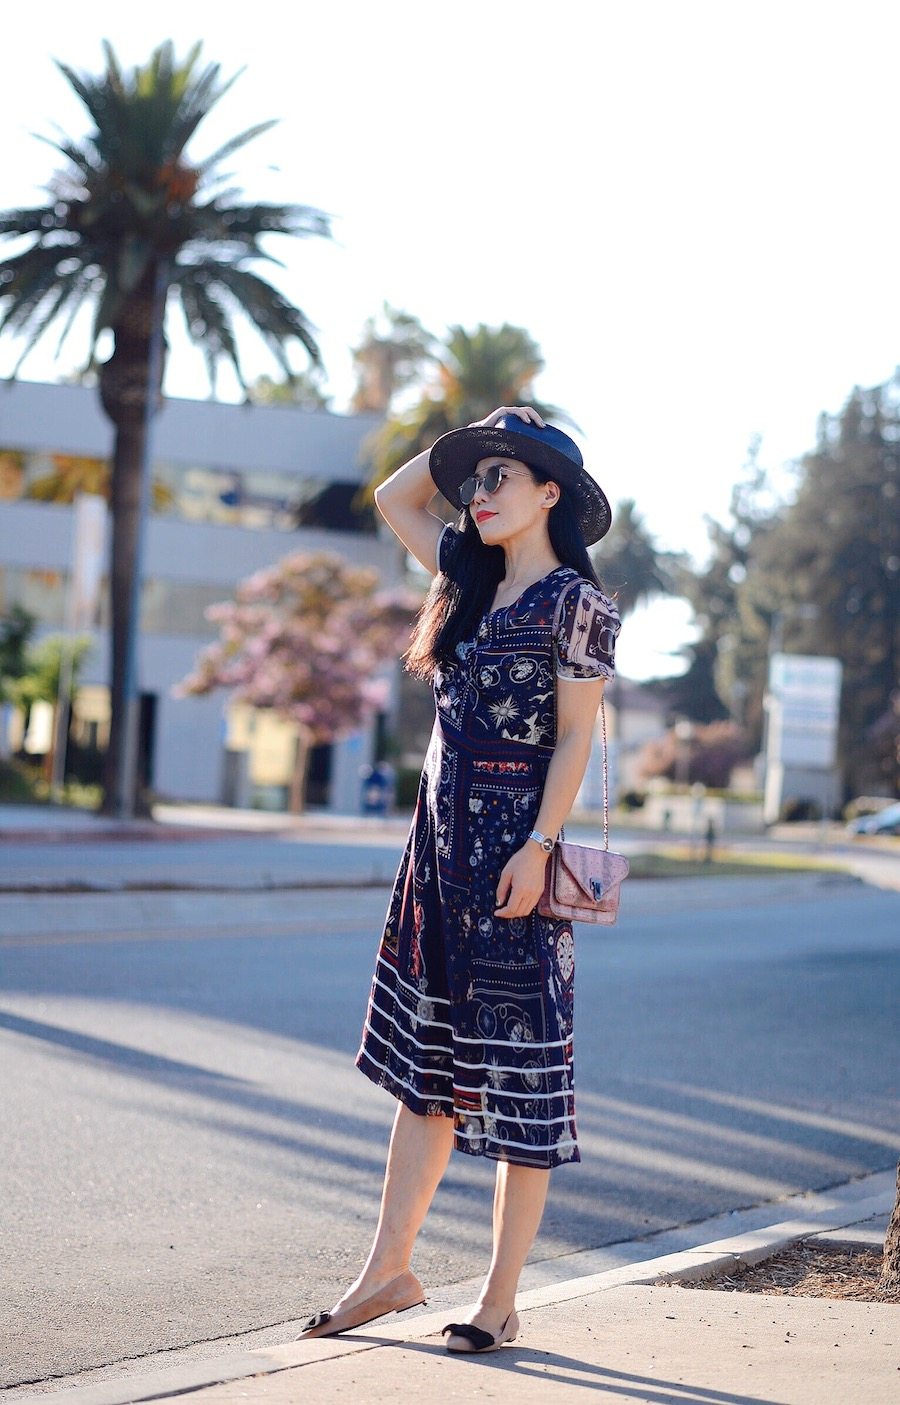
(811, 1270)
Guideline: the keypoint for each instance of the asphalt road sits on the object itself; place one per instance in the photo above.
(189, 1154)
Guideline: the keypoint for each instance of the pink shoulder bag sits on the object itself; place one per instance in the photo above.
(581, 883)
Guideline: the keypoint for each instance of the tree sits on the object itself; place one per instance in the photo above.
(826, 575)
(394, 350)
(471, 374)
(632, 567)
(41, 676)
(306, 637)
(130, 220)
(692, 695)
(727, 672)
(16, 629)
(304, 390)
(890, 1268)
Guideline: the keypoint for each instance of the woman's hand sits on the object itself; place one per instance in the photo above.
(525, 412)
(521, 881)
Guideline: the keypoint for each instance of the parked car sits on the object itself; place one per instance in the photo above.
(886, 821)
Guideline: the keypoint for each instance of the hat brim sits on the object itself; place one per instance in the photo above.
(454, 456)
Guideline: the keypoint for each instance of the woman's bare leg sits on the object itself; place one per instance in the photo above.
(417, 1158)
(519, 1197)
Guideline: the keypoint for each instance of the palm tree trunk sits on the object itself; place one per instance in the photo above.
(130, 392)
(128, 459)
(890, 1267)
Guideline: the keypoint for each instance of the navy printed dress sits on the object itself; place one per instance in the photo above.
(470, 1015)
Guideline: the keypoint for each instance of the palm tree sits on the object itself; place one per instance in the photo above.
(131, 219)
(473, 373)
(394, 348)
(630, 563)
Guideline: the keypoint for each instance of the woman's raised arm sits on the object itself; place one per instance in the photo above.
(403, 498)
(403, 502)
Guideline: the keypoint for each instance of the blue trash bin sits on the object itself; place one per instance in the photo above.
(377, 789)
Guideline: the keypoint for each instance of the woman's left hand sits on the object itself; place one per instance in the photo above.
(524, 412)
(521, 881)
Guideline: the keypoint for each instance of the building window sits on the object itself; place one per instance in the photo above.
(252, 498)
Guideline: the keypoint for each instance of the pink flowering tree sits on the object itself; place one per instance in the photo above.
(306, 637)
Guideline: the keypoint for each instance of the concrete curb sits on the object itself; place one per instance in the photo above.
(846, 1205)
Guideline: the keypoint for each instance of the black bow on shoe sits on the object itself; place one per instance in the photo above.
(318, 1320)
(480, 1339)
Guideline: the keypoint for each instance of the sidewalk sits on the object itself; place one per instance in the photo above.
(186, 848)
(49, 823)
(630, 1333)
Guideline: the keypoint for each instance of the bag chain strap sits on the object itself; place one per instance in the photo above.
(557, 620)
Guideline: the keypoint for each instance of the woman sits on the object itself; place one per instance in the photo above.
(469, 1022)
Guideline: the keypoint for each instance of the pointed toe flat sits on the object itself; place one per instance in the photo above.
(471, 1338)
(397, 1295)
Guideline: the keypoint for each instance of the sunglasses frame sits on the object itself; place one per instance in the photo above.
(500, 470)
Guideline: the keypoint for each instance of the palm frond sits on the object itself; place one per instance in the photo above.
(40, 220)
(83, 287)
(301, 221)
(25, 279)
(46, 311)
(273, 317)
(235, 144)
(37, 294)
(83, 158)
(208, 324)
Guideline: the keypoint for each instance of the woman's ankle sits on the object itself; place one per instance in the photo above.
(496, 1304)
(383, 1270)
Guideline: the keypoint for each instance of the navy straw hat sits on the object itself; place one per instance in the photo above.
(454, 456)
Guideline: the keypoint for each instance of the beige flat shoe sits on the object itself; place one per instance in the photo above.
(400, 1293)
(472, 1338)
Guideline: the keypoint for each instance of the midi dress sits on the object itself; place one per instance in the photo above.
(470, 1015)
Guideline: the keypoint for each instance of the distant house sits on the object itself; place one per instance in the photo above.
(633, 716)
(637, 716)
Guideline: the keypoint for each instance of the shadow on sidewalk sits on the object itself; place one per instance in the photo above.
(558, 1370)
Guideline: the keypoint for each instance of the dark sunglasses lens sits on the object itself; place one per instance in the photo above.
(491, 482)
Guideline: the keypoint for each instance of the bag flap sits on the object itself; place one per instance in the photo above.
(585, 875)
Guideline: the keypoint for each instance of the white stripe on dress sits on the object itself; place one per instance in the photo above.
(428, 1048)
(517, 1121)
(429, 1098)
(527, 1146)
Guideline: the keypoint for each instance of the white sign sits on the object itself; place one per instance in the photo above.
(88, 560)
(804, 706)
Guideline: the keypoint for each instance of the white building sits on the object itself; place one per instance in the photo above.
(235, 488)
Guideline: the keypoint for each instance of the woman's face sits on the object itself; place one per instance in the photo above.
(517, 505)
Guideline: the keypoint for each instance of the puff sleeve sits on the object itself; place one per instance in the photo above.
(585, 642)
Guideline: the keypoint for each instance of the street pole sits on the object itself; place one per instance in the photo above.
(61, 717)
(127, 787)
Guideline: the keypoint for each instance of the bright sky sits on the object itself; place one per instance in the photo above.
(692, 207)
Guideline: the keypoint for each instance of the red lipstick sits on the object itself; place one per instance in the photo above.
(483, 515)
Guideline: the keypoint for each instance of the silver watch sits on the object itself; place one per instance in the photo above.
(545, 843)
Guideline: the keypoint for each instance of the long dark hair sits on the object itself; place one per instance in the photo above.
(460, 596)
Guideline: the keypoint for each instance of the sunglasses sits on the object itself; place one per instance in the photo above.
(490, 482)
